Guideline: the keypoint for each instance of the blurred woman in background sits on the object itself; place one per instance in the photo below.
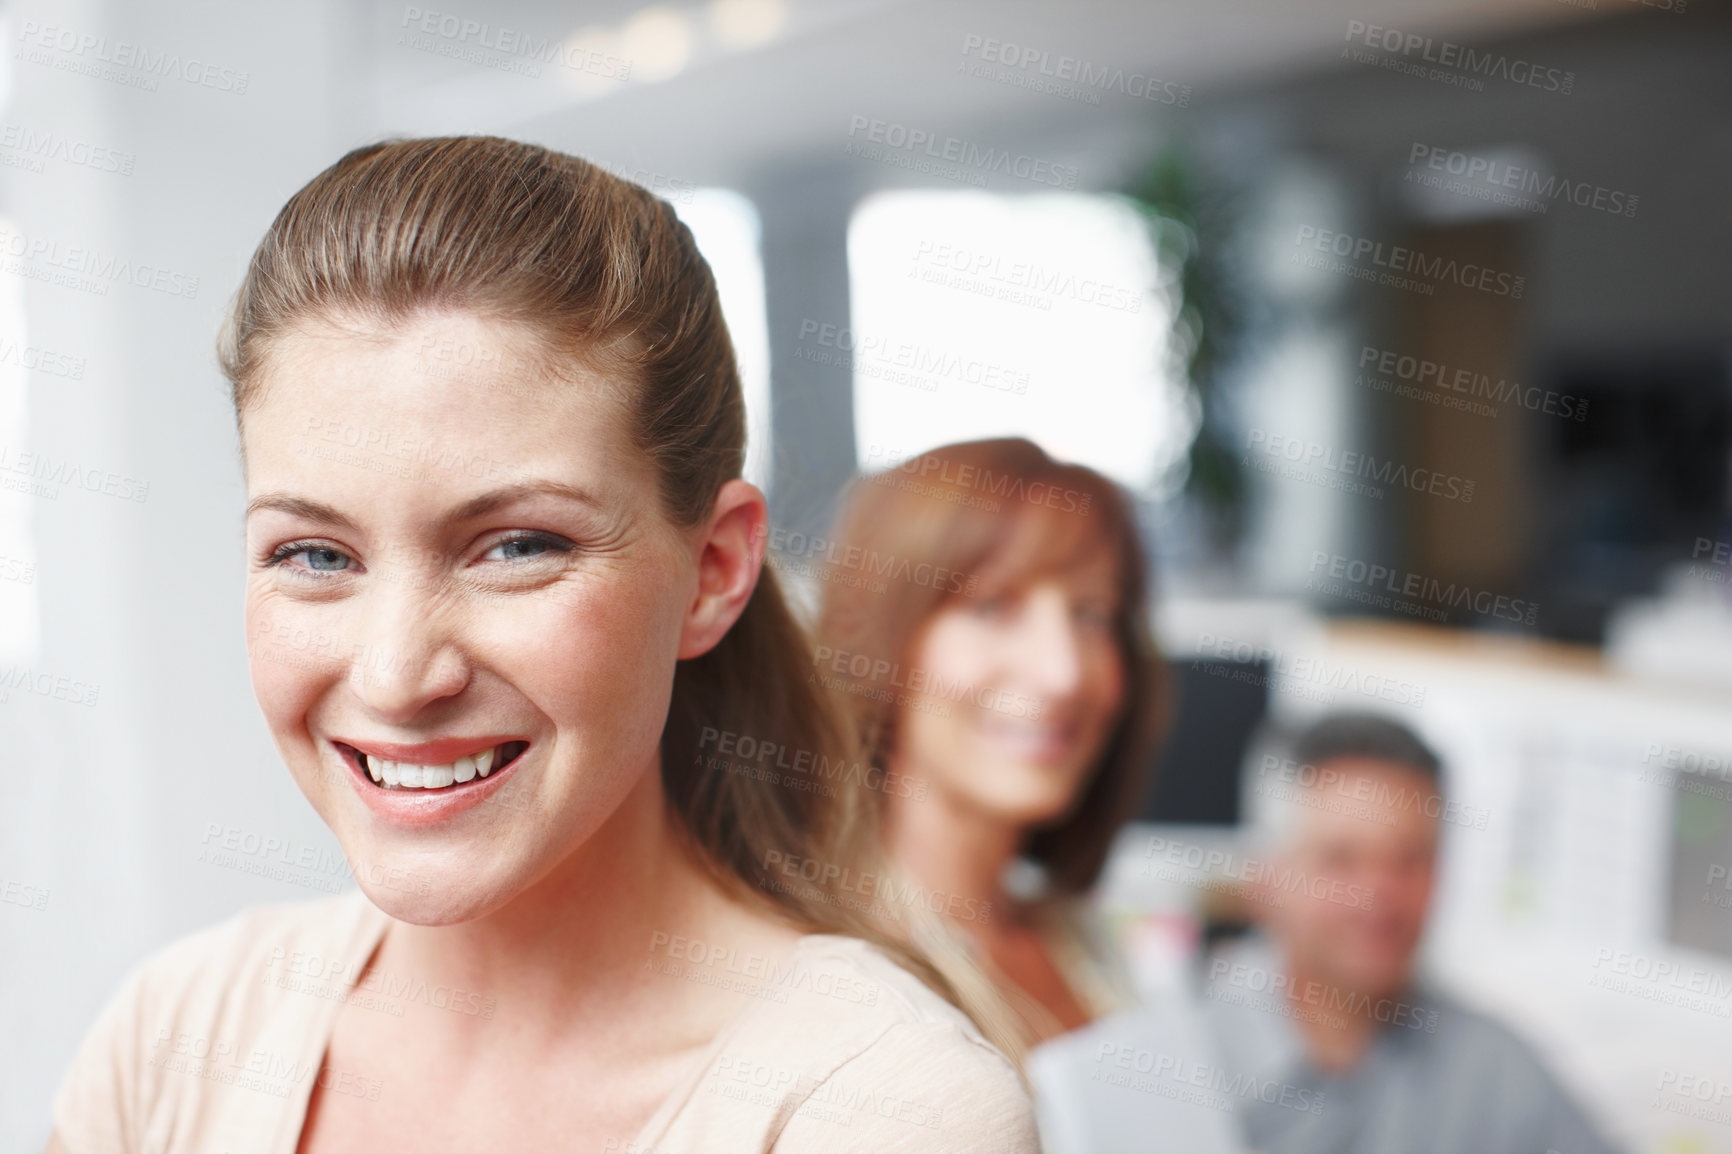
(985, 615)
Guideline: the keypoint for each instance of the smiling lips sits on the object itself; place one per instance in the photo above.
(404, 767)
(1037, 741)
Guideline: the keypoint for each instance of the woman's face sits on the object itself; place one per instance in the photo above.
(467, 576)
(1019, 692)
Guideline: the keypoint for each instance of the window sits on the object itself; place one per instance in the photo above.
(977, 314)
(725, 225)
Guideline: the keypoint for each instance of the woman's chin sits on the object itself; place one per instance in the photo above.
(1031, 807)
(1030, 794)
(429, 895)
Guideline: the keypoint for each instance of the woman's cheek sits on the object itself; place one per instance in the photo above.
(956, 647)
(1110, 679)
(286, 657)
(551, 649)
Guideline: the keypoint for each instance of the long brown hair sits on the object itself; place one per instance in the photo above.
(983, 516)
(598, 271)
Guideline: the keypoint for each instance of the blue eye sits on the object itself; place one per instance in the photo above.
(527, 548)
(318, 558)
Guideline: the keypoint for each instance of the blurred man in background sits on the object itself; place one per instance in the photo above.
(1326, 1000)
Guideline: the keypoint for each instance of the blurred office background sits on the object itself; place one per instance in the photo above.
(1157, 237)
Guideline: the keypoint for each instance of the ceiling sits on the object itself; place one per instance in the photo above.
(740, 115)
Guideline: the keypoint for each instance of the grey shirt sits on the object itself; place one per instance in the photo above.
(1438, 1079)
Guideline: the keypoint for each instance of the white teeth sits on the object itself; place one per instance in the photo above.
(402, 775)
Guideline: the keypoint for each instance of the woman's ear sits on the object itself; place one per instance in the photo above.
(730, 556)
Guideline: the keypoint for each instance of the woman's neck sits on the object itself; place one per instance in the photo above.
(589, 945)
(953, 848)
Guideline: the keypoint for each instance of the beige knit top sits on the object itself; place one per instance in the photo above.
(214, 1044)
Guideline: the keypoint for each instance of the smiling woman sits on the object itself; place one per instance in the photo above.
(505, 613)
(1036, 698)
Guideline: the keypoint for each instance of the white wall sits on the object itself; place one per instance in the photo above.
(107, 805)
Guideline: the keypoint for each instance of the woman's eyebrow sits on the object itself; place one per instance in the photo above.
(299, 507)
(324, 514)
(487, 502)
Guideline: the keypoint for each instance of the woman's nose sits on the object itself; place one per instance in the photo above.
(409, 657)
(1050, 648)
